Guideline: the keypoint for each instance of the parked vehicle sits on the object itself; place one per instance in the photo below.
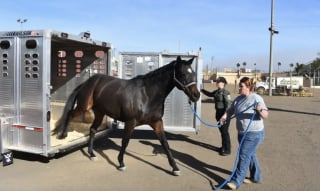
(280, 84)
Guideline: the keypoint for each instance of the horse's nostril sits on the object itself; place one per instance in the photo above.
(197, 95)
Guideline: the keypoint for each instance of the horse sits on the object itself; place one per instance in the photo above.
(137, 101)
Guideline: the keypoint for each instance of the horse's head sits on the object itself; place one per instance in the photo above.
(185, 78)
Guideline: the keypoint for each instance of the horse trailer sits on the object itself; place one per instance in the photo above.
(178, 115)
(39, 69)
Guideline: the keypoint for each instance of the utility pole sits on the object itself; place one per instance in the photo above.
(272, 31)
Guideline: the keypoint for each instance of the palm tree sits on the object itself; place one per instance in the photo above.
(279, 64)
(244, 65)
(299, 68)
(238, 66)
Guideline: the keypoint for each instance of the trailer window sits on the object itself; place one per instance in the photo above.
(62, 68)
(27, 62)
(27, 69)
(27, 75)
(5, 44)
(99, 66)
(35, 75)
(78, 68)
(99, 54)
(35, 68)
(62, 54)
(31, 44)
(35, 55)
(26, 55)
(35, 62)
(78, 54)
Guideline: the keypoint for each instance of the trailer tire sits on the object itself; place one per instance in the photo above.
(261, 90)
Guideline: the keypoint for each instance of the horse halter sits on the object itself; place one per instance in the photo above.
(183, 86)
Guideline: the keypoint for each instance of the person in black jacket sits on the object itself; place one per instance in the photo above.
(222, 101)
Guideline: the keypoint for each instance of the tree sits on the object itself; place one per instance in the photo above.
(299, 68)
(238, 66)
(315, 64)
(279, 64)
(244, 65)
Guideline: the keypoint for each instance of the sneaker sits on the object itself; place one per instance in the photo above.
(232, 186)
(247, 181)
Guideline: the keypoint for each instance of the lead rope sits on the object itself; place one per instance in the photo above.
(241, 142)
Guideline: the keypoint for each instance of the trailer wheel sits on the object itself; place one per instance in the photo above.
(260, 90)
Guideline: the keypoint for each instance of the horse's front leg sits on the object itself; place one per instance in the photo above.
(128, 129)
(159, 131)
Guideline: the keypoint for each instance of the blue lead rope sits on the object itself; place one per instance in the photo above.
(202, 121)
(218, 125)
(241, 142)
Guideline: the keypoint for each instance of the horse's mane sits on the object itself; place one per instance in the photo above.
(157, 71)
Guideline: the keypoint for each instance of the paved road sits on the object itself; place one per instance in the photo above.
(289, 157)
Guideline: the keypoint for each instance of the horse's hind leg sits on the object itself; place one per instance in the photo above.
(158, 129)
(98, 117)
(128, 129)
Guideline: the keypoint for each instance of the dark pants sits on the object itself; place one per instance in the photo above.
(224, 131)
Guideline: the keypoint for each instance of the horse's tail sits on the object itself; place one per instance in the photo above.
(62, 123)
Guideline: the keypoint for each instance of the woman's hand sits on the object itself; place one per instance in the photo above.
(262, 112)
(223, 119)
(258, 108)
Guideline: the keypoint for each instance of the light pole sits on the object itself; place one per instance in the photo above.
(272, 31)
(255, 71)
(291, 66)
(212, 58)
(21, 21)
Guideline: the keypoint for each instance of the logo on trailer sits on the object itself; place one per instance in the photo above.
(21, 33)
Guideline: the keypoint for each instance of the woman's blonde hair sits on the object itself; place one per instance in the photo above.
(249, 82)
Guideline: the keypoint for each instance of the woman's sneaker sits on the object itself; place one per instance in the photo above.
(232, 186)
(247, 181)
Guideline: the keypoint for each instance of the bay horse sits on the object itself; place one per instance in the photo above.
(138, 101)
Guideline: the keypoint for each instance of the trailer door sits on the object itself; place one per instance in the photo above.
(178, 115)
(21, 91)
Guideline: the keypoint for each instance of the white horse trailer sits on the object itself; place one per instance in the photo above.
(39, 69)
(178, 115)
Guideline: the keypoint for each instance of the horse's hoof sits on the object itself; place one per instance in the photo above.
(176, 172)
(122, 168)
(62, 136)
(94, 158)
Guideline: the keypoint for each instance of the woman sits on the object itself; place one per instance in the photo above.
(221, 98)
(254, 136)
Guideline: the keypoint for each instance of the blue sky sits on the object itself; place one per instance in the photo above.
(228, 31)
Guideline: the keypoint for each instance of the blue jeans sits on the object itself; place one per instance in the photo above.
(247, 158)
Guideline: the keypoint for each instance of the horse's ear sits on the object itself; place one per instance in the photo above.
(178, 59)
(191, 60)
